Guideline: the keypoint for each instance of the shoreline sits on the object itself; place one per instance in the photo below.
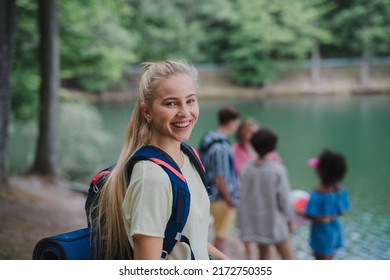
(216, 84)
(226, 93)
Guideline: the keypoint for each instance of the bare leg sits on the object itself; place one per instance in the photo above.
(284, 249)
(320, 257)
(265, 251)
(250, 251)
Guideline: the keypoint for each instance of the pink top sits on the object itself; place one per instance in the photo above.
(243, 155)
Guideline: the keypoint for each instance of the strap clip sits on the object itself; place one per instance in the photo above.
(164, 255)
(178, 236)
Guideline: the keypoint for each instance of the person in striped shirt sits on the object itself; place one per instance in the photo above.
(216, 154)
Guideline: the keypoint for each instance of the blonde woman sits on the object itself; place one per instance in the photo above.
(132, 217)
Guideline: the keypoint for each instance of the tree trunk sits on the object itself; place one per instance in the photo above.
(46, 155)
(7, 31)
(315, 62)
(365, 70)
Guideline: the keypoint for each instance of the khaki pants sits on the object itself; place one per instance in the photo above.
(224, 217)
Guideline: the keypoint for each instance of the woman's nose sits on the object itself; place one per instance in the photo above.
(183, 111)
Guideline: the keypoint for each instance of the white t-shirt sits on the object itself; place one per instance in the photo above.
(148, 202)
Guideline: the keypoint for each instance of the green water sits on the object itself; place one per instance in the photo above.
(357, 126)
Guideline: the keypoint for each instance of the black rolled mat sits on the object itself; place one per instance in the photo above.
(74, 245)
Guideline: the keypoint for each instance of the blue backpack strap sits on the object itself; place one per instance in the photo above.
(197, 162)
(181, 195)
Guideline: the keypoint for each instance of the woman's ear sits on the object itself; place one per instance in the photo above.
(146, 112)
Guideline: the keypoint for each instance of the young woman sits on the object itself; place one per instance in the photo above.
(132, 217)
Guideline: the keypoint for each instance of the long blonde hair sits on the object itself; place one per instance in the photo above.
(112, 239)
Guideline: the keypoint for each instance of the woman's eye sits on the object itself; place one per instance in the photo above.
(192, 100)
(170, 104)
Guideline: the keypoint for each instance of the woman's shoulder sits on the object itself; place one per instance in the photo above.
(148, 171)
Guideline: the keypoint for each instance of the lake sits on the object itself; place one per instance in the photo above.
(357, 126)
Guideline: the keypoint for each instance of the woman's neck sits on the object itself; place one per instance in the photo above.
(172, 149)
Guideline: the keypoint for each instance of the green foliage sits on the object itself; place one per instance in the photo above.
(270, 31)
(25, 79)
(81, 136)
(181, 29)
(95, 46)
(363, 26)
(99, 39)
(217, 19)
(167, 29)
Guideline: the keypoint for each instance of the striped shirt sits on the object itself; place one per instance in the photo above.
(217, 157)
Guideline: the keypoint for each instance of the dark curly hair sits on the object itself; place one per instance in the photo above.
(331, 167)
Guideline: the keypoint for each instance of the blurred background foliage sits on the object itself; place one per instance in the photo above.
(100, 39)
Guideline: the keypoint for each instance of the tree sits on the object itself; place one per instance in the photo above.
(7, 26)
(321, 36)
(166, 29)
(269, 31)
(363, 27)
(95, 44)
(217, 19)
(95, 48)
(46, 155)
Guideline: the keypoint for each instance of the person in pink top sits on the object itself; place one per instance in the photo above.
(243, 153)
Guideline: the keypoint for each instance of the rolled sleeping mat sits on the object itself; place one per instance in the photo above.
(74, 245)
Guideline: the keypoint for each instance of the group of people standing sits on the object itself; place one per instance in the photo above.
(249, 177)
(133, 209)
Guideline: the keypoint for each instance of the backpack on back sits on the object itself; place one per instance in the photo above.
(175, 225)
(145, 153)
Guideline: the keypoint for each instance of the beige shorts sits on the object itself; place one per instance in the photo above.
(224, 217)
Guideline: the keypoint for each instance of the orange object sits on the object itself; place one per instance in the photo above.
(300, 205)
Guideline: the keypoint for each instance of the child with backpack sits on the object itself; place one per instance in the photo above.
(133, 210)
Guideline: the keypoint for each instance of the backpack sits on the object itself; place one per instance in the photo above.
(181, 195)
(204, 148)
(175, 225)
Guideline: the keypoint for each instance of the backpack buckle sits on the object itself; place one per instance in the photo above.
(95, 188)
(164, 255)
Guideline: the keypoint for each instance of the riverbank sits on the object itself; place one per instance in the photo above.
(298, 82)
(216, 84)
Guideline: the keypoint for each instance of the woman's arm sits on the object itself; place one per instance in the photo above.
(215, 253)
(220, 183)
(147, 247)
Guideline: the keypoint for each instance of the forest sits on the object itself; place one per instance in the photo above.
(50, 46)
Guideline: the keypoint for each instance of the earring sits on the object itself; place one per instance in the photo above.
(148, 120)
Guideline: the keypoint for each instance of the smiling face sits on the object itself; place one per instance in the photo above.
(173, 111)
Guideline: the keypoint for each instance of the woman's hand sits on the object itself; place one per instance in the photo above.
(215, 253)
